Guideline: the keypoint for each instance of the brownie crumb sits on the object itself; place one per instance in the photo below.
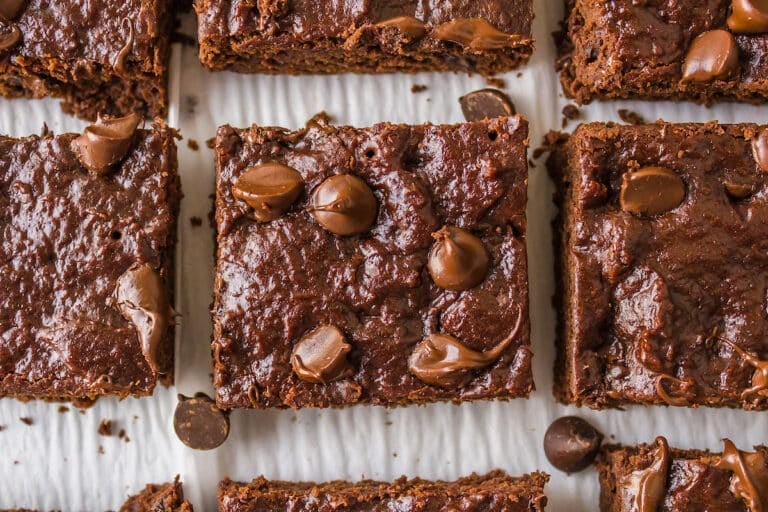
(15, 463)
(27, 421)
(531, 163)
(196, 221)
(193, 145)
(105, 428)
(570, 112)
(63, 409)
(631, 117)
(2, 427)
(190, 104)
(417, 88)
(499, 83)
(211, 143)
(101, 450)
(121, 434)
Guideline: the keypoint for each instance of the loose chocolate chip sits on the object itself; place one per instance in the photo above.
(651, 191)
(571, 444)
(713, 55)
(143, 300)
(344, 205)
(738, 191)
(10, 35)
(475, 33)
(270, 189)
(10, 9)
(748, 16)
(458, 259)
(486, 104)
(106, 142)
(409, 26)
(760, 150)
(199, 424)
(320, 357)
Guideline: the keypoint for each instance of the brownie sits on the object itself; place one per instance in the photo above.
(656, 477)
(383, 265)
(99, 56)
(87, 236)
(495, 491)
(683, 50)
(663, 265)
(375, 36)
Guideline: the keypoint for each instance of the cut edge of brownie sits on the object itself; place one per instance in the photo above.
(167, 497)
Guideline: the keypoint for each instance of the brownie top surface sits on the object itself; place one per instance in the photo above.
(66, 237)
(676, 302)
(308, 20)
(279, 280)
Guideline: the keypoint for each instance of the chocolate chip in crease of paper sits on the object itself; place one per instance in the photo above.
(344, 205)
(119, 63)
(571, 444)
(649, 486)
(106, 142)
(475, 33)
(199, 423)
(270, 189)
(651, 191)
(713, 55)
(409, 26)
(320, 357)
(486, 104)
(748, 16)
(760, 149)
(10, 9)
(457, 260)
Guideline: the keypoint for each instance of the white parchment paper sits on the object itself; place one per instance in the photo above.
(60, 462)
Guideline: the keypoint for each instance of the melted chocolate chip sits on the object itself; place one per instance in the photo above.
(475, 33)
(651, 191)
(320, 357)
(458, 259)
(677, 401)
(750, 477)
(571, 444)
(648, 486)
(119, 63)
(10, 35)
(748, 16)
(106, 142)
(10, 9)
(344, 205)
(443, 360)
(760, 149)
(486, 104)
(409, 26)
(143, 300)
(712, 56)
(199, 423)
(270, 189)
(738, 191)
(759, 385)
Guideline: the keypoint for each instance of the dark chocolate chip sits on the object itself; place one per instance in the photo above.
(713, 55)
(106, 142)
(344, 205)
(458, 259)
(571, 444)
(475, 33)
(760, 149)
(748, 16)
(738, 191)
(320, 357)
(651, 191)
(199, 423)
(486, 104)
(409, 26)
(270, 189)
(10, 35)
(10, 9)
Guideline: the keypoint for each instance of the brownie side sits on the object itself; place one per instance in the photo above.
(627, 49)
(669, 309)
(66, 237)
(333, 37)
(277, 281)
(159, 498)
(70, 50)
(495, 491)
(693, 482)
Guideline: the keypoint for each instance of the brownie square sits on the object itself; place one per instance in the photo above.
(99, 56)
(495, 491)
(364, 308)
(668, 479)
(86, 267)
(376, 36)
(684, 50)
(663, 265)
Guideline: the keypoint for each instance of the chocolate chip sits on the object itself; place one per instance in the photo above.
(486, 104)
(760, 149)
(320, 357)
(738, 191)
(119, 62)
(199, 423)
(270, 189)
(458, 259)
(475, 33)
(10, 9)
(10, 35)
(106, 142)
(712, 56)
(344, 205)
(571, 444)
(748, 16)
(651, 191)
(409, 26)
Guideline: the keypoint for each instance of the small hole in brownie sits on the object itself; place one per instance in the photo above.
(370, 153)
(116, 235)
(493, 135)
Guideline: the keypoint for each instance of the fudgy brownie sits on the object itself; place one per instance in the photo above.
(683, 50)
(375, 36)
(100, 56)
(87, 236)
(656, 477)
(383, 265)
(663, 265)
(495, 491)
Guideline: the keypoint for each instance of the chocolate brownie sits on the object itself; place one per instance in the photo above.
(375, 36)
(683, 50)
(99, 56)
(383, 265)
(87, 236)
(663, 264)
(656, 477)
(495, 491)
